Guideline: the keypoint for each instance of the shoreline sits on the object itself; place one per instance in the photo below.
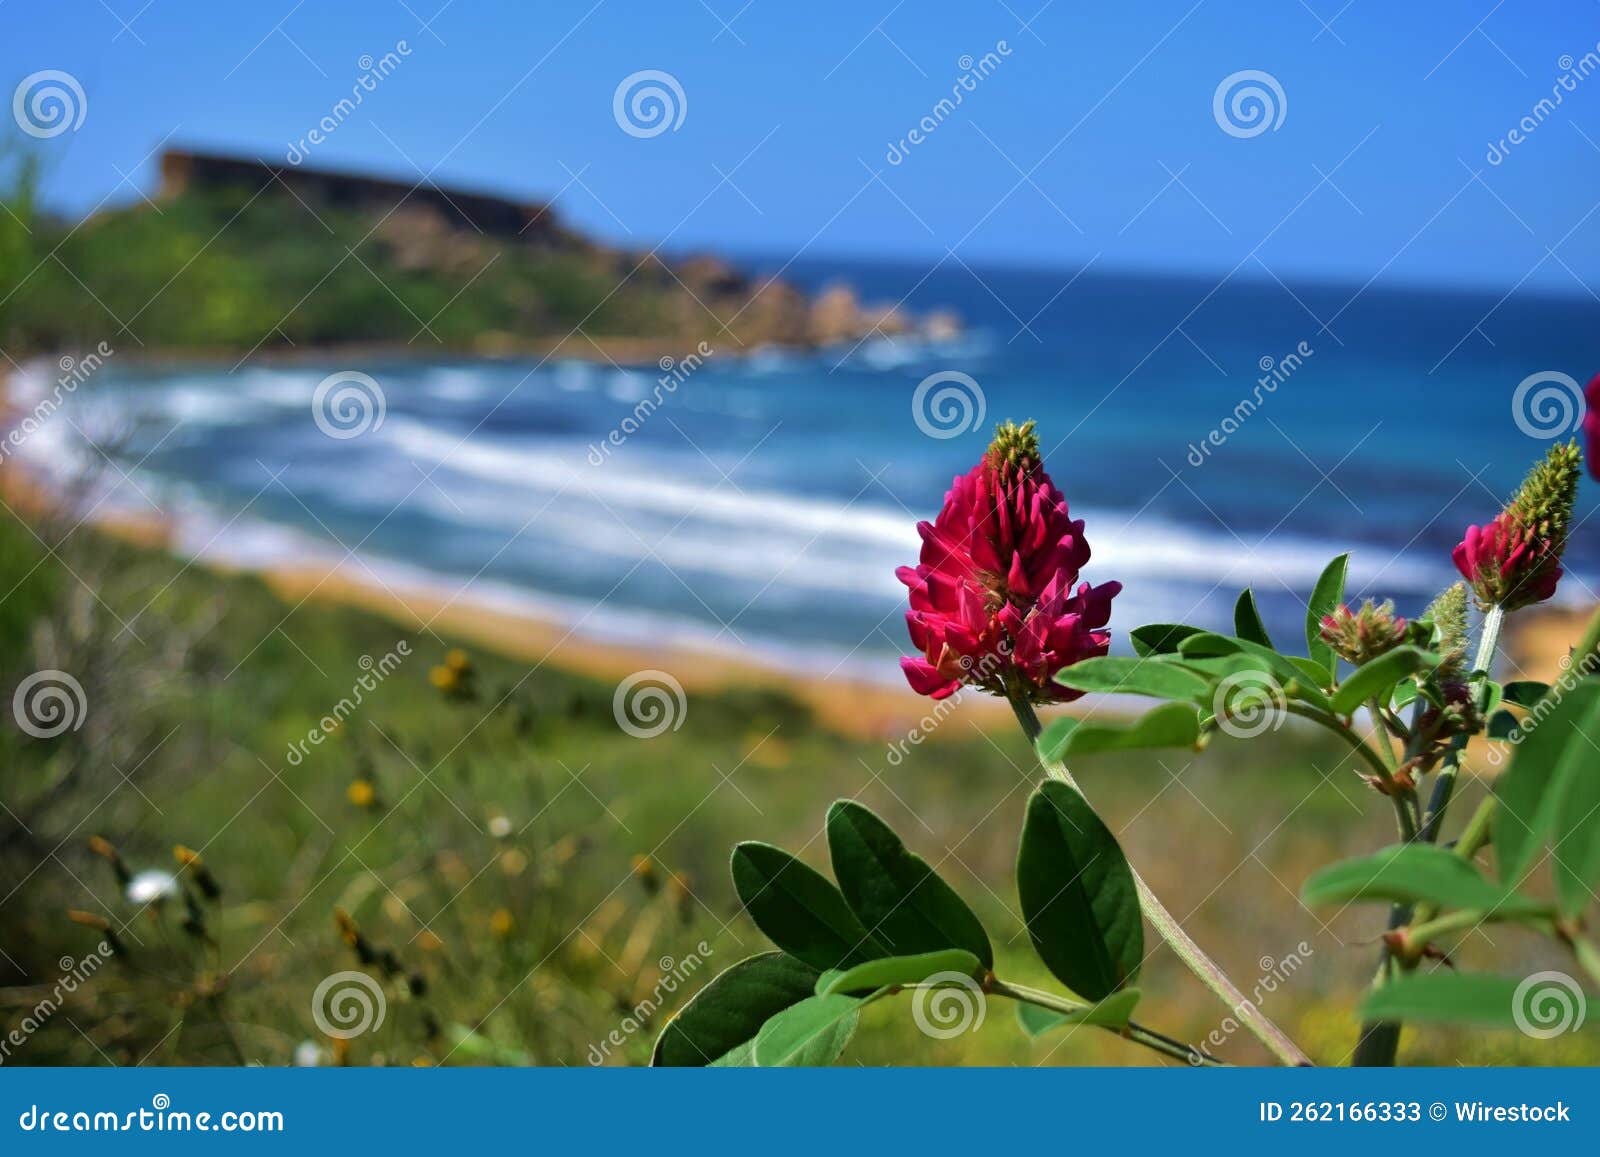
(850, 705)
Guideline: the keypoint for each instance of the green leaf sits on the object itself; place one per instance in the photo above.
(1217, 667)
(1412, 874)
(812, 1032)
(1576, 840)
(728, 1012)
(1311, 674)
(799, 909)
(1170, 725)
(1078, 895)
(894, 892)
(1524, 692)
(1376, 678)
(1502, 725)
(898, 971)
(1476, 998)
(1286, 671)
(1405, 694)
(740, 1056)
(1247, 622)
(1325, 596)
(1553, 750)
(1160, 638)
(1113, 1012)
(1204, 643)
(1125, 676)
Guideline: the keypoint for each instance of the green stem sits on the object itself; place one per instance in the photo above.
(1380, 1041)
(1193, 957)
(1381, 732)
(1405, 822)
(1494, 621)
(1137, 1033)
(1422, 932)
(1475, 836)
(1357, 744)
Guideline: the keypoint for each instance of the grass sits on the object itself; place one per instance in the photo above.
(533, 938)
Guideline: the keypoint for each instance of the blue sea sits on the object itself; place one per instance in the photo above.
(764, 499)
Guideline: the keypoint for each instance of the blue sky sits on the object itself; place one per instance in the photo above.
(1094, 137)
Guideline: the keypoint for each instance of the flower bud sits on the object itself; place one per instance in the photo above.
(1357, 636)
(1014, 449)
(204, 880)
(88, 919)
(107, 851)
(644, 870)
(1448, 616)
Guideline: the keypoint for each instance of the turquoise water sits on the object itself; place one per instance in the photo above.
(765, 501)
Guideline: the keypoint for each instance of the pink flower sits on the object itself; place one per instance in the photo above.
(1515, 560)
(1591, 425)
(1508, 565)
(992, 599)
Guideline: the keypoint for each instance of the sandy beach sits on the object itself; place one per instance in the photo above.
(863, 709)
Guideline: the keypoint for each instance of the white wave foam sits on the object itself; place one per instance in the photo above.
(624, 489)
